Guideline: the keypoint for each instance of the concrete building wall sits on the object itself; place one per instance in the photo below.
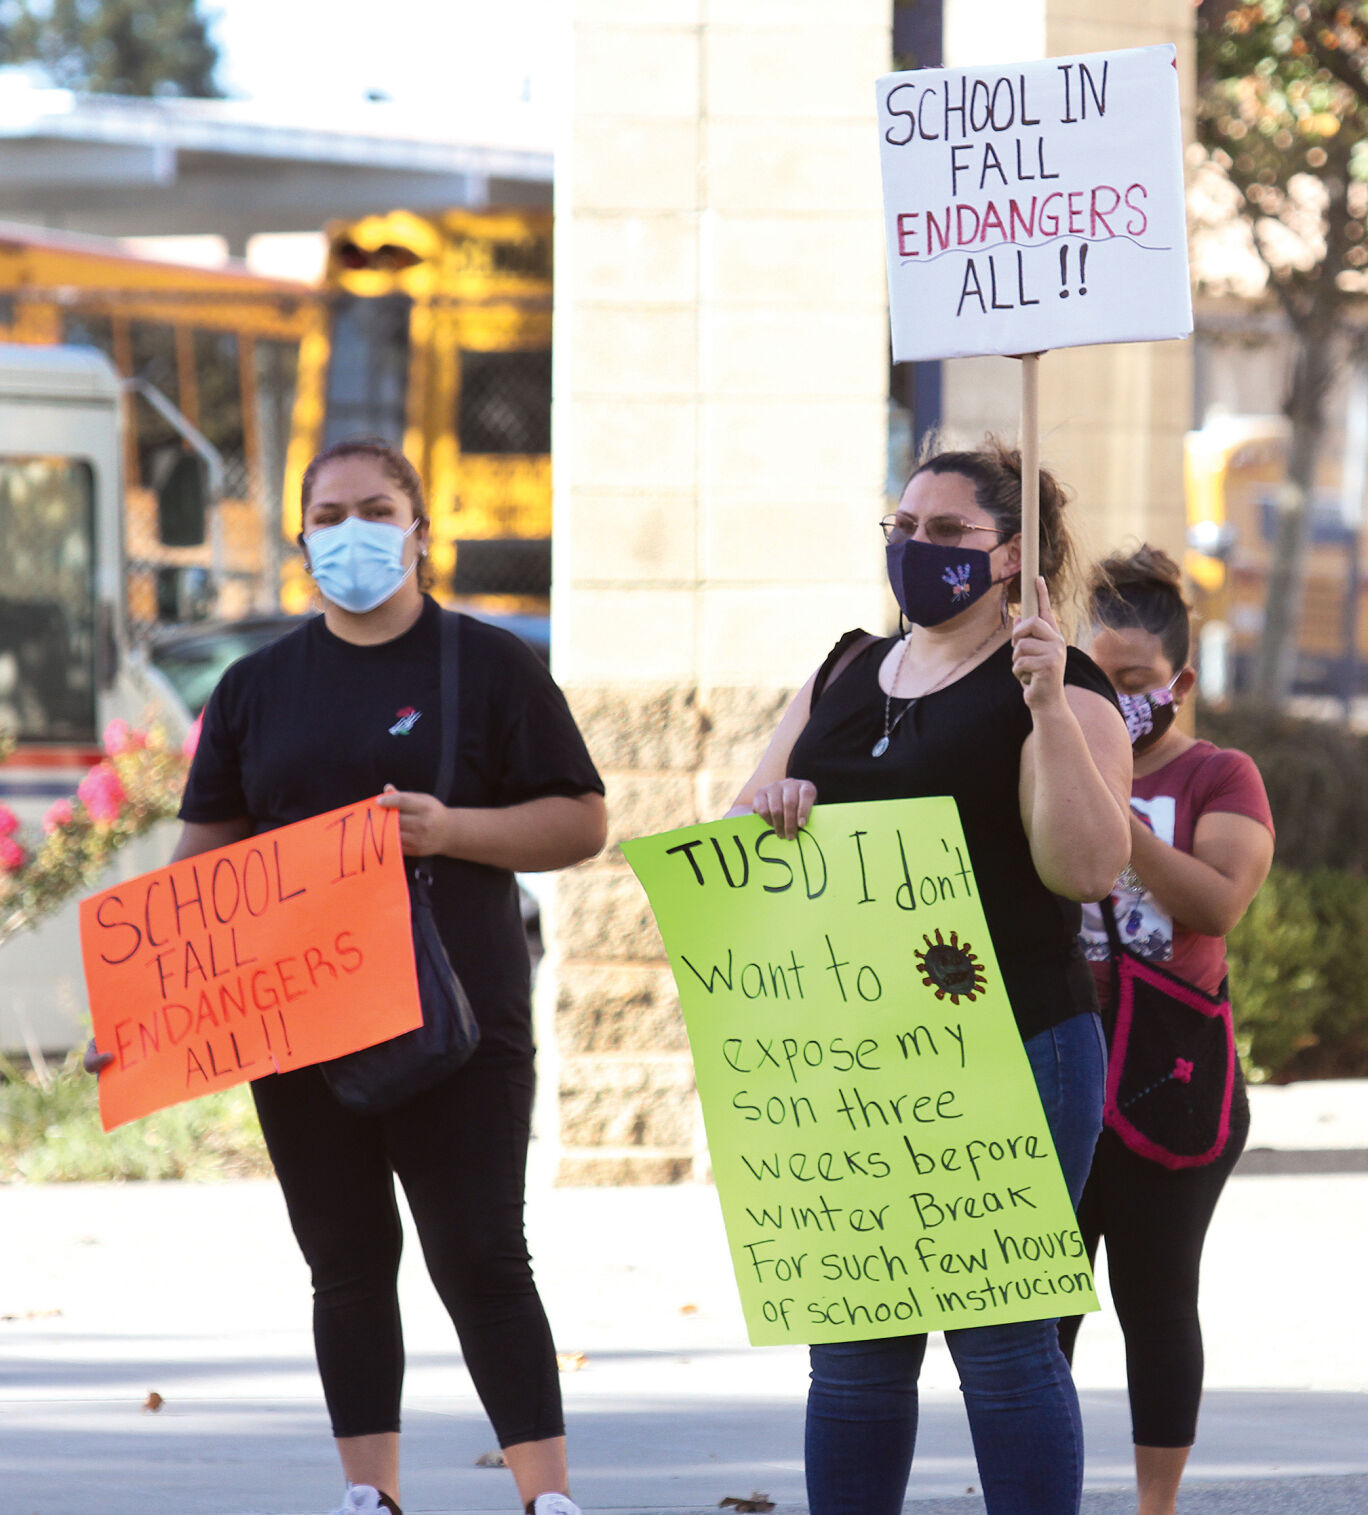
(721, 414)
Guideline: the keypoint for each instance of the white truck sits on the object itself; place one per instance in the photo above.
(65, 667)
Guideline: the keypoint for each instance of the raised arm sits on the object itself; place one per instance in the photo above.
(1075, 769)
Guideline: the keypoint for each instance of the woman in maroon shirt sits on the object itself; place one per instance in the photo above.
(1202, 842)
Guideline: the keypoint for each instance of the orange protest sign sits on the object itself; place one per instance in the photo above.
(270, 954)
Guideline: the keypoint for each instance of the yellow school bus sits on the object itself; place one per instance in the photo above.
(218, 346)
(434, 332)
(1235, 472)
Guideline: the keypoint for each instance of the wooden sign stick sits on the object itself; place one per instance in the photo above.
(1030, 481)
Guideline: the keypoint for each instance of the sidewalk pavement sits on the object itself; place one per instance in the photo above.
(196, 1292)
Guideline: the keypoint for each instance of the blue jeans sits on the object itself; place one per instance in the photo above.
(1023, 1408)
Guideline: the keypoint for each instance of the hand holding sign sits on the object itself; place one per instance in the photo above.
(1039, 652)
(880, 1150)
(287, 949)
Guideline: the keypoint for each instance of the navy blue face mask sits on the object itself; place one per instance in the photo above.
(932, 583)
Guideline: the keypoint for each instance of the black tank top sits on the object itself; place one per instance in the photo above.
(964, 740)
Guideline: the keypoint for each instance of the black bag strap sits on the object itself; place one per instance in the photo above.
(449, 693)
(841, 656)
(1115, 951)
(1109, 921)
(450, 678)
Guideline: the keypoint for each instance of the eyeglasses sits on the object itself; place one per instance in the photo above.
(943, 531)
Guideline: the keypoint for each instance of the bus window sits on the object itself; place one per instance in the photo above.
(505, 404)
(276, 373)
(368, 368)
(86, 328)
(47, 598)
(218, 378)
(152, 354)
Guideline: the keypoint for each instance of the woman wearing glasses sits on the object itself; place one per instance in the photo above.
(1024, 732)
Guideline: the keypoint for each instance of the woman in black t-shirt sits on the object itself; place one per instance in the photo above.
(1025, 734)
(344, 707)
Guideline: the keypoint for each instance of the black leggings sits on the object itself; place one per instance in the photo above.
(460, 1151)
(1155, 1221)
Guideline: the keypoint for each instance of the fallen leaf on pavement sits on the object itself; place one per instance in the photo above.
(570, 1362)
(153, 1402)
(755, 1504)
(688, 1309)
(490, 1460)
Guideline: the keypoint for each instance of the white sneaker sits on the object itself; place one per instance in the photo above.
(555, 1504)
(361, 1499)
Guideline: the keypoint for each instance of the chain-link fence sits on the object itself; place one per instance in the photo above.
(505, 404)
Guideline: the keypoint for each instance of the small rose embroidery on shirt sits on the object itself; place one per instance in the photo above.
(1182, 1070)
(408, 718)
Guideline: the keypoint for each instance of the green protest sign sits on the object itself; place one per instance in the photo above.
(880, 1151)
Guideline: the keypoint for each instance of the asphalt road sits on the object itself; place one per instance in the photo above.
(196, 1292)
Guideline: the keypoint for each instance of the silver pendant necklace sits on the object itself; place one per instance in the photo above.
(890, 725)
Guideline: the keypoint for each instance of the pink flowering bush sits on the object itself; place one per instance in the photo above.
(119, 737)
(101, 793)
(115, 738)
(138, 783)
(59, 813)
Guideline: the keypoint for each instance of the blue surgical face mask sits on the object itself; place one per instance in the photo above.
(359, 564)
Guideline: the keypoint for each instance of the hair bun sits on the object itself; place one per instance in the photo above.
(1142, 589)
(1148, 567)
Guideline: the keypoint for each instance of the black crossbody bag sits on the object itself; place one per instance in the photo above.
(1171, 1060)
(376, 1079)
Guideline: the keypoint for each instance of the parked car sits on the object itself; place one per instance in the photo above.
(191, 657)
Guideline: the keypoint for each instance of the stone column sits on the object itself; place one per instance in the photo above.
(721, 420)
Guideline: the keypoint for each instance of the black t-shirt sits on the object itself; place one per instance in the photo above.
(964, 740)
(312, 723)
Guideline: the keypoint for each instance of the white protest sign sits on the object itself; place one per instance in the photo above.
(1034, 205)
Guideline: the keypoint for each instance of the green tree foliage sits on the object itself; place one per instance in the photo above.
(1298, 964)
(1316, 775)
(1282, 112)
(1299, 957)
(113, 47)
